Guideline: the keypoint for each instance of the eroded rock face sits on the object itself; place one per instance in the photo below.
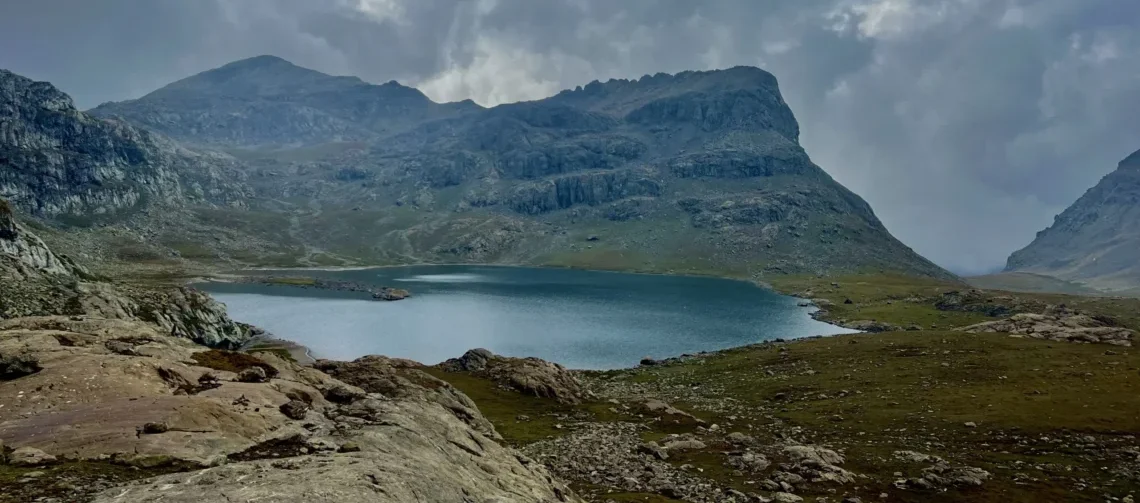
(530, 376)
(127, 392)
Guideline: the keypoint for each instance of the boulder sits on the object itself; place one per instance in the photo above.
(252, 375)
(652, 449)
(530, 376)
(684, 443)
(30, 456)
(404, 379)
(801, 453)
(15, 366)
(471, 361)
(294, 409)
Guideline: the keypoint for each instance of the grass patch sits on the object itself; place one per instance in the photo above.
(74, 481)
(503, 408)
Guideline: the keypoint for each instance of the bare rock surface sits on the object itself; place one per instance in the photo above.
(125, 392)
(400, 378)
(1059, 324)
(530, 376)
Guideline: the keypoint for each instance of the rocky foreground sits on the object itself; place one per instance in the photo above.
(247, 428)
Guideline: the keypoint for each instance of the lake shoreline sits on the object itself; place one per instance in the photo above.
(631, 363)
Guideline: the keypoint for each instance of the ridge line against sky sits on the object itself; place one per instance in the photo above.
(966, 124)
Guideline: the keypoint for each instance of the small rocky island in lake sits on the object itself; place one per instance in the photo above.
(385, 293)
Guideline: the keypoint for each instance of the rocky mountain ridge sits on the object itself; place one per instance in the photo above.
(693, 172)
(1096, 241)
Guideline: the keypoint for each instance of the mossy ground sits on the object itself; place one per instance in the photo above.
(231, 361)
(1054, 421)
(69, 482)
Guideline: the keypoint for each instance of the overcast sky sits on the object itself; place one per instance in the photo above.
(967, 124)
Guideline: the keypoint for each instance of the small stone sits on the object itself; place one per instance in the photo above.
(652, 449)
(738, 438)
(971, 424)
(522, 418)
(786, 498)
(294, 409)
(155, 428)
(343, 394)
(349, 447)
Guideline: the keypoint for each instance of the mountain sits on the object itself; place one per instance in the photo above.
(698, 172)
(1096, 241)
(267, 101)
(56, 161)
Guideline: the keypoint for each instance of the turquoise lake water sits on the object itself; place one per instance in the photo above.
(581, 319)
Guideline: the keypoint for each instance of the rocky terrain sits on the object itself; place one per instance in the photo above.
(1095, 241)
(35, 281)
(101, 385)
(693, 172)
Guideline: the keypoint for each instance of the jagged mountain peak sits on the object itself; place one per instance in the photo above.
(41, 95)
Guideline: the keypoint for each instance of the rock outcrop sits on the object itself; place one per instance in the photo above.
(401, 378)
(1059, 324)
(530, 376)
(127, 393)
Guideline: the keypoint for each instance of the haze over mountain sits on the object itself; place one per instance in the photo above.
(1096, 241)
(694, 172)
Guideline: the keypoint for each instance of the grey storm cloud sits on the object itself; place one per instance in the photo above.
(967, 124)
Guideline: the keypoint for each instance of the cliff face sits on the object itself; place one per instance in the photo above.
(1096, 241)
(57, 161)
